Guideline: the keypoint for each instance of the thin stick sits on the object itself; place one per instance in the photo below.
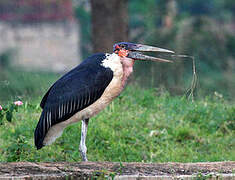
(194, 82)
(191, 89)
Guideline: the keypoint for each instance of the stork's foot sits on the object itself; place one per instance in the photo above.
(83, 151)
(82, 147)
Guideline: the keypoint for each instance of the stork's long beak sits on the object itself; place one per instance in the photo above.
(136, 49)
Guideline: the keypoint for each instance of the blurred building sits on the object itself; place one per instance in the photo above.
(42, 34)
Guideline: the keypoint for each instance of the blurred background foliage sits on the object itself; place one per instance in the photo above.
(203, 29)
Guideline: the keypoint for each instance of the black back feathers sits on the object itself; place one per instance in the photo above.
(73, 92)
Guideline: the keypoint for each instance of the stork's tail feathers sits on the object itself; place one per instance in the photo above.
(39, 133)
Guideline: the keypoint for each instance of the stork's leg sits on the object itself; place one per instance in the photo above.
(82, 147)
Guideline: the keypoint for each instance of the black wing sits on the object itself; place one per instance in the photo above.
(73, 92)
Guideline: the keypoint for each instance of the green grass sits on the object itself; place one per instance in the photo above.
(140, 125)
(18, 84)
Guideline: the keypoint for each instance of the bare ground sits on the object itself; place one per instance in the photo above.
(84, 170)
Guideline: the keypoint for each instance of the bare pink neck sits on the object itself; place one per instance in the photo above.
(127, 64)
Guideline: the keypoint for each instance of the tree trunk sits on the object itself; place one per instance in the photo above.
(109, 23)
(171, 11)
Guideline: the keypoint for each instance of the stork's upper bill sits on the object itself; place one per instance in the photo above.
(132, 50)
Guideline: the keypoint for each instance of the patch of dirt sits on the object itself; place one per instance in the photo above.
(62, 170)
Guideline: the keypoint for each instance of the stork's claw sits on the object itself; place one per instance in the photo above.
(83, 151)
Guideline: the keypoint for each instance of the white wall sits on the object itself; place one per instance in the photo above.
(45, 46)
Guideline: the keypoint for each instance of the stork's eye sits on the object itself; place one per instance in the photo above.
(123, 46)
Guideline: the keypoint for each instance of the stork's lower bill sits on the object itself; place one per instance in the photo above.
(86, 90)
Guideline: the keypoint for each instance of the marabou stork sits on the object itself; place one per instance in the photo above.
(86, 90)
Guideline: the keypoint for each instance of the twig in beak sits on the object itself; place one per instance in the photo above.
(191, 89)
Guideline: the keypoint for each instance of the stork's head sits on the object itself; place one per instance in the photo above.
(133, 51)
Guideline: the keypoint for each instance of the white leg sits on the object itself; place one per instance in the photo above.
(82, 147)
